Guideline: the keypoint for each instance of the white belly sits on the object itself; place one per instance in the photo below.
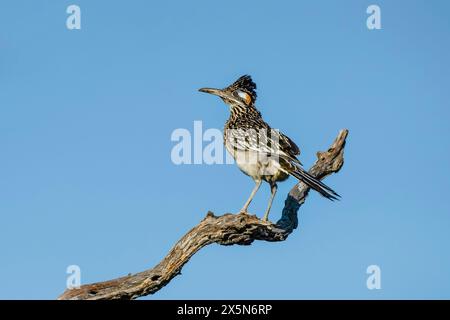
(259, 166)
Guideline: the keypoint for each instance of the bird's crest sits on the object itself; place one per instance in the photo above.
(244, 84)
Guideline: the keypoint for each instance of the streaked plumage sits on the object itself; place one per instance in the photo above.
(261, 152)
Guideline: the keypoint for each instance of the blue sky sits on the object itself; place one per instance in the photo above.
(86, 118)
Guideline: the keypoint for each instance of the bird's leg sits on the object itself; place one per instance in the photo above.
(273, 190)
(255, 189)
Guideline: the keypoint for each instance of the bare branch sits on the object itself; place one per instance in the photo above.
(228, 229)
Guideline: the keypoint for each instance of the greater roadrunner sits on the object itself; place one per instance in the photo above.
(260, 152)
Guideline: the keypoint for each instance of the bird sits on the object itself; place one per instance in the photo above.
(261, 152)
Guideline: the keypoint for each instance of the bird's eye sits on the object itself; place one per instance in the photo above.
(244, 96)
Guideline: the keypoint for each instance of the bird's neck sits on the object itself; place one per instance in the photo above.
(237, 111)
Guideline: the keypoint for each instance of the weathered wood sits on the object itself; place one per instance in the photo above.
(228, 229)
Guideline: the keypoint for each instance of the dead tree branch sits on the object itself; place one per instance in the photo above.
(228, 229)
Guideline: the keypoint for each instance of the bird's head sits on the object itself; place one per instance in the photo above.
(241, 93)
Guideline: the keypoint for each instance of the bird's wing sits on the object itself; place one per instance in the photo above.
(267, 141)
(288, 144)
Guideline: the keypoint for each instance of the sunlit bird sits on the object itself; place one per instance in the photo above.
(263, 153)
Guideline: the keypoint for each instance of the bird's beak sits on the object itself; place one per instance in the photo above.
(216, 92)
(221, 93)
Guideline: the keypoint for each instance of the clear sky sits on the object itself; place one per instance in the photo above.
(86, 117)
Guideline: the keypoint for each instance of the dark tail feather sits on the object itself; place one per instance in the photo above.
(315, 184)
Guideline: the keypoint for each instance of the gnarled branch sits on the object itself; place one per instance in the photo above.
(228, 229)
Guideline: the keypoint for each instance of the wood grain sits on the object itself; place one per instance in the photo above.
(227, 229)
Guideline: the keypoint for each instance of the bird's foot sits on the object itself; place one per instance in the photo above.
(243, 211)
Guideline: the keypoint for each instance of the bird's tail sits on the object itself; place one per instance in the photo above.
(314, 183)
